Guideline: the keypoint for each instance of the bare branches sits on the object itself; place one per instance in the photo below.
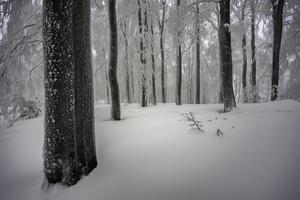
(194, 124)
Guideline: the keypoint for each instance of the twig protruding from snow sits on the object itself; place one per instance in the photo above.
(219, 133)
(195, 124)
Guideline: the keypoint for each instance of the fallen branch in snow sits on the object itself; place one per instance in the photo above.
(195, 124)
(219, 132)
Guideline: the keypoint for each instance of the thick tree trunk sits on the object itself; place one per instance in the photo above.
(228, 95)
(253, 52)
(197, 56)
(113, 62)
(69, 146)
(178, 58)
(162, 53)
(153, 66)
(244, 50)
(277, 25)
(60, 154)
(84, 97)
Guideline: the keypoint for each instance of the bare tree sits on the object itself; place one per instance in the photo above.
(60, 153)
(225, 48)
(178, 57)
(143, 29)
(253, 52)
(127, 81)
(162, 53)
(277, 28)
(197, 55)
(113, 62)
(244, 50)
(83, 83)
(153, 65)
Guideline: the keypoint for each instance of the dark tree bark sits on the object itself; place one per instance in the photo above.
(228, 95)
(197, 56)
(244, 50)
(178, 59)
(69, 145)
(153, 66)
(83, 80)
(277, 26)
(162, 53)
(127, 82)
(60, 154)
(143, 55)
(253, 52)
(113, 62)
(220, 57)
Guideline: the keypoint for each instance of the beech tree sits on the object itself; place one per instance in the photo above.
(197, 55)
(69, 145)
(178, 57)
(143, 29)
(244, 50)
(226, 57)
(253, 52)
(113, 62)
(83, 83)
(277, 28)
(162, 52)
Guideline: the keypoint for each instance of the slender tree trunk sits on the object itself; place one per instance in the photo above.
(197, 56)
(153, 66)
(162, 53)
(60, 154)
(178, 58)
(228, 95)
(113, 62)
(277, 25)
(142, 53)
(132, 80)
(124, 30)
(106, 77)
(107, 86)
(253, 52)
(244, 50)
(220, 57)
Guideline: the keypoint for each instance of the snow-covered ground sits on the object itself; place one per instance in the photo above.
(153, 155)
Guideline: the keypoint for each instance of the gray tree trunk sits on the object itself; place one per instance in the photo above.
(83, 80)
(143, 54)
(60, 153)
(244, 50)
(228, 95)
(220, 57)
(162, 53)
(253, 52)
(127, 81)
(277, 26)
(113, 62)
(153, 66)
(178, 59)
(197, 56)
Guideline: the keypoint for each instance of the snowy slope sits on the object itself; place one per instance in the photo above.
(152, 154)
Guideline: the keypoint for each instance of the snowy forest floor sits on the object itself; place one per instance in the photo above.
(152, 154)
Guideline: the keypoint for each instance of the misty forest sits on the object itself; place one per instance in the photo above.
(149, 99)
